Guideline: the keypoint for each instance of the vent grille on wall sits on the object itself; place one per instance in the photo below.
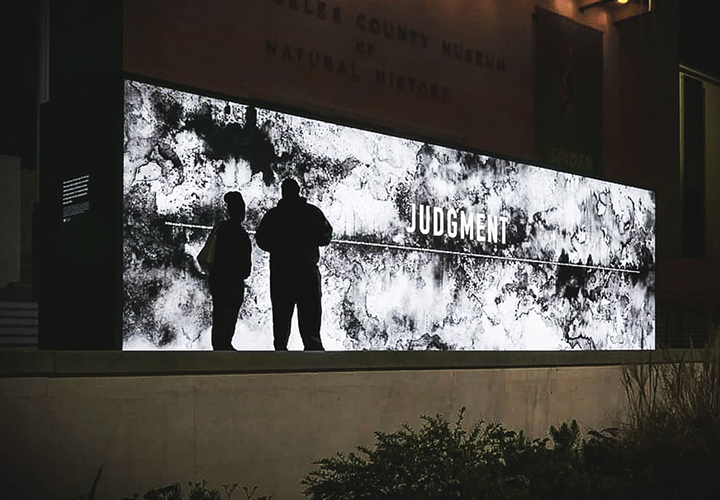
(18, 324)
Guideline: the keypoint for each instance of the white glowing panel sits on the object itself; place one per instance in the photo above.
(433, 247)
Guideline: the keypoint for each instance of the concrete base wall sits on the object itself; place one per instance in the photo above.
(260, 429)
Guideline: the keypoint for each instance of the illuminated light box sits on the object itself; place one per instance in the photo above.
(433, 247)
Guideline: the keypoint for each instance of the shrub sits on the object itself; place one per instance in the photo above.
(444, 461)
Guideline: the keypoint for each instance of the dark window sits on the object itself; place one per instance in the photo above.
(693, 172)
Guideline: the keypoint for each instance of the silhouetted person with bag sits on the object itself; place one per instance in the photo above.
(230, 267)
(292, 233)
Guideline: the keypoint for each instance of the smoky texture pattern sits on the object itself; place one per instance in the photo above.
(573, 268)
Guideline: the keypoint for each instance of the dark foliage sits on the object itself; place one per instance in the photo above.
(443, 461)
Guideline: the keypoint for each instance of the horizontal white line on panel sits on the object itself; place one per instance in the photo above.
(483, 256)
(180, 224)
(195, 226)
(446, 252)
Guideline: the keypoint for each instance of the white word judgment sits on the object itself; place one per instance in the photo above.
(471, 225)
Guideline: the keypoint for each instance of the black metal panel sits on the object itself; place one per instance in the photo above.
(81, 135)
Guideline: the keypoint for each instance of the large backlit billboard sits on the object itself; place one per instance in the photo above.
(433, 247)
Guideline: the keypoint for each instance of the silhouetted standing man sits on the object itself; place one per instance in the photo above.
(229, 270)
(292, 233)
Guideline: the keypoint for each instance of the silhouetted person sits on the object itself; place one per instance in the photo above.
(229, 270)
(292, 233)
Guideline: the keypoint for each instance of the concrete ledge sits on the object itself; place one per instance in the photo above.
(35, 363)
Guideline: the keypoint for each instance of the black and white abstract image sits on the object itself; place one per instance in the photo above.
(433, 248)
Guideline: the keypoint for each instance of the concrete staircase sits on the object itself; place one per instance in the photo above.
(18, 324)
